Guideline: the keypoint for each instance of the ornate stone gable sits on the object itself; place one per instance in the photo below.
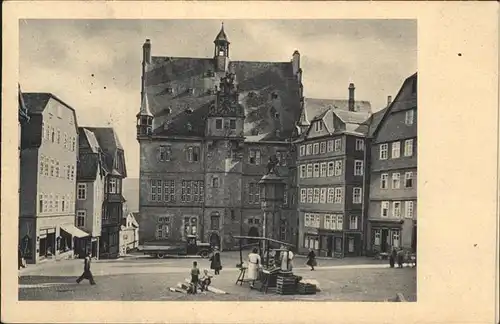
(227, 104)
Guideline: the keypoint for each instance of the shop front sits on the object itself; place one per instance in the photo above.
(69, 239)
(385, 236)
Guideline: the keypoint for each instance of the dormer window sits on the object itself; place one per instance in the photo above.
(190, 90)
(319, 126)
(274, 95)
(169, 90)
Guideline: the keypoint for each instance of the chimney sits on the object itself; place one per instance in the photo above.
(389, 100)
(296, 62)
(146, 52)
(351, 96)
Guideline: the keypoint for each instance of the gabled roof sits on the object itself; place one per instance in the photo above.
(266, 90)
(89, 155)
(110, 145)
(316, 107)
(22, 110)
(375, 120)
(36, 102)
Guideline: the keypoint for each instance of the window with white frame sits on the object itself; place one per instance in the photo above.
(358, 167)
(408, 147)
(303, 171)
(383, 180)
(331, 169)
(330, 199)
(81, 192)
(285, 195)
(303, 195)
(169, 190)
(56, 204)
(322, 147)
(409, 209)
(396, 150)
(384, 209)
(42, 163)
(360, 144)
(376, 237)
(309, 171)
(396, 209)
(322, 172)
(316, 196)
(409, 117)
(113, 185)
(408, 179)
(338, 168)
(395, 180)
(80, 218)
(58, 137)
(356, 195)
(338, 145)
(353, 222)
(193, 154)
(316, 170)
(156, 190)
(190, 226)
(254, 193)
(340, 222)
(308, 219)
(302, 150)
(338, 195)
(311, 242)
(316, 148)
(309, 195)
(254, 157)
(383, 151)
(395, 238)
(40, 203)
(329, 146)
(322, 196)
(309, 149)
(329, 223)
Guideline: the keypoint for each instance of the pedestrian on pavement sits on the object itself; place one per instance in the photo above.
(392, 257)
(87, 274)
(254, 262)
(195, 273)
(400, 256)
(215, 262)
(286, 259)
(311, 259)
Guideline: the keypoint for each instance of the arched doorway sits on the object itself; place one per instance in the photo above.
(253, 231)
(214, 240)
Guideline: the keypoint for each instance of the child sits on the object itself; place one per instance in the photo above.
(195, 273)
(206, 280)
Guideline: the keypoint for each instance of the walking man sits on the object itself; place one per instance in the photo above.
(87, 274)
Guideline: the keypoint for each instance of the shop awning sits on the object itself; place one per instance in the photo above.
(74, 231)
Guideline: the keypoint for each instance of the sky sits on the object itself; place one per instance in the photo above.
(95, 65)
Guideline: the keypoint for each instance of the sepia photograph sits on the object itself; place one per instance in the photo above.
(199, 160)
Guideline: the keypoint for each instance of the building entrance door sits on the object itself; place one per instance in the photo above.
(384, 238)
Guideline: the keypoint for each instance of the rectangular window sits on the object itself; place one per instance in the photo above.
(408, 147)
(81, 191)
(384, 209)
(360, 145)
(165, 153)
(169, 190)
(302, 150)
(154, 188)
(395, 238)
(309, 195)
(58, 136)
(215, 182)
(254, 193)
(193, 154)
(316, 196)
(308, 149)
(80, 218)
(285, 195)
(329, 146)
(45, 203)
(72, 172)
(338, 168)
(319, 126)
(201, 191)
(353, 223)
(383, 180)
(409, 209)
(338, 195)
(218, 123)
(376, 237)
(356, 195)
(65, 143)
(409, 117)
(395, 181)
(232, 123)
(73, 144)
(396, 209)
(303, 195)
(340, 222)
(281, 156)
(307, 220)
(331, 196)
(396, 150)
(316, 170)
(214, 222)
(254, 157)
(383, 151)
(322, 172)
(322, 196)
(358, 168)
(42, 164)
(316, 148)
(327, 221)
(113, 185)
(309, 170)
(322, 147)
(408, 179)
(331, 169)
(40, 203)
(52, 167)
(338, 145)
(303, 171)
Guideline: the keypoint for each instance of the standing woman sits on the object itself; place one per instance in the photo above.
(311, 259)
(215, 263)
(254, 263)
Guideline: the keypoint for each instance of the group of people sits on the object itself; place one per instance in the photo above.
(202, 281)
(397, 255)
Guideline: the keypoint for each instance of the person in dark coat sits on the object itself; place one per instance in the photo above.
(392, 257)
(400, 257)
(87, 274)
(311, 259)
(215, 263)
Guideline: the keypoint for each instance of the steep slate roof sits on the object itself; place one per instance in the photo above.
(375, 120)
(36, 102)
(265, 89)
(89, 155)
(22, 110)
(315, 107)
(110, 144)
